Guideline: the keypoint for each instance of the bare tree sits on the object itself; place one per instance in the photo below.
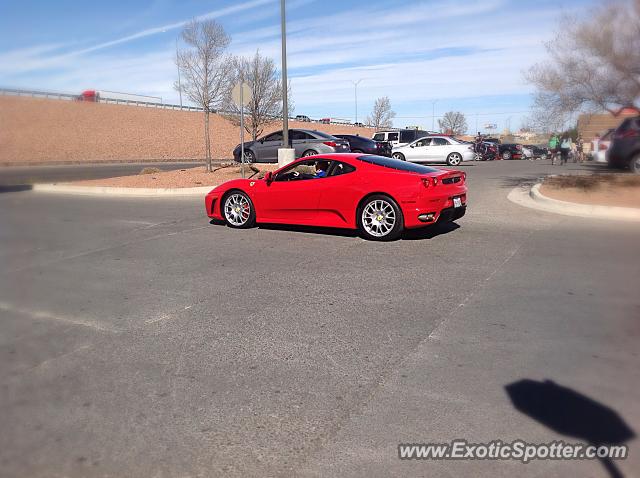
(382, 114)
(453, 122)
(205, 70)
(594, 64)
(265, 107)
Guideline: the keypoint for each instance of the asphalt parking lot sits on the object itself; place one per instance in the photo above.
(138, 339)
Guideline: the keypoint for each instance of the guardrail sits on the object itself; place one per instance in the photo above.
(70, 97)
(147, 104)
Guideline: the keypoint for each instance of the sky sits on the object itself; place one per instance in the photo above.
(428, 56)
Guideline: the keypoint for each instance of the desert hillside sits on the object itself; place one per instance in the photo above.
(47, 130)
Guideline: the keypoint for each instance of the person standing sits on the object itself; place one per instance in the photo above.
(565, 148)
(553, 147)
(580, 149)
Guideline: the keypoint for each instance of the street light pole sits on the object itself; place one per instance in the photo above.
(355, 87)
(178, 65)
(285, 106)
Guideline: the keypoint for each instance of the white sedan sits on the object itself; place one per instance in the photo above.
(435, 149)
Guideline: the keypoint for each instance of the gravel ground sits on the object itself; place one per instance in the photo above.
(41, 131)
(181, 178)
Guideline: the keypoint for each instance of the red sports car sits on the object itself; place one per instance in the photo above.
(377, 195)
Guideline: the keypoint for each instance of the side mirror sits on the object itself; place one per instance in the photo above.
(412, 145)
(268, 177)
(261, 140)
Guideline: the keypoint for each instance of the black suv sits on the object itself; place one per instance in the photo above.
(359, 144)
(624, 151)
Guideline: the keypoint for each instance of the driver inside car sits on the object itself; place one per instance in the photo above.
(321, 169)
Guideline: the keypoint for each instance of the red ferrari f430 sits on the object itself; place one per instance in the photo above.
(379, 196)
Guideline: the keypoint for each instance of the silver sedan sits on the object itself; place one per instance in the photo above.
(306, 142)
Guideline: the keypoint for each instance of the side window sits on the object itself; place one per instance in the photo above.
(378, 137)
(407, 136)
(310, 169)
(341, 168)
(439, 142)
(274, 136)
(423, 142)
(297, 135)
(393, 137)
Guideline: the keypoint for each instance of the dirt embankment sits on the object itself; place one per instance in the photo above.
(622, 190)
(40, 131)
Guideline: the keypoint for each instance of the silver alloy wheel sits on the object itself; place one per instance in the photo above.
(237, 209)
(455, 159)
(398, 156)
(378, 218)
(635, 164)
(506, 155)
(309, 153)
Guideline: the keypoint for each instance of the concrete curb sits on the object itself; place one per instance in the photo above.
(534, 199)
(120, 192)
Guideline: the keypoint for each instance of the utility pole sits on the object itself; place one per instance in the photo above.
(178, 65)
(355, 88)
(285, 99)
(433, 115)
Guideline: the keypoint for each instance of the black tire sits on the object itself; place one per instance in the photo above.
(366, 226)
(454, 159)
(236, 219)
(634, 165)
(399, 156)
(250, 156)
(309, 152)
(357, 151)
(506, 155)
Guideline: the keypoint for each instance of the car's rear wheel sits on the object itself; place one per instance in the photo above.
(399, 156)
(506, 155)
(238, 210)
(309, 152)
(635, 164)
(454, 159)
(380, 218)
(249, 156)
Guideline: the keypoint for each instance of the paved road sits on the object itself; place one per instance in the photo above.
(19, 175)
(137, 339)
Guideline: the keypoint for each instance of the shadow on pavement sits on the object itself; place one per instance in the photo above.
(428, 232)
(15, 188)
(570, 413)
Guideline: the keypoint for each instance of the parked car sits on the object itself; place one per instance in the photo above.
(379, 196)
(532, 151)
(306, 142)
(624, 151)
(400, 137)
(435, 149)
(360, 144)
(325, 120)
(358, 124)
(600, 147)
(303, 118)
(510, 151)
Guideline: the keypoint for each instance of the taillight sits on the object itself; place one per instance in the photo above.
(627, 134)
(333, 144)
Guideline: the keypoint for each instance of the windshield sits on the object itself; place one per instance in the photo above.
(397, 164)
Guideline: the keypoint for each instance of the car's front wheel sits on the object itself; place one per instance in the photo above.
(635, 164)
(454, 159)
(238, 210)
(309, 152)
(399, 156)
(506, 155)
(380, 218)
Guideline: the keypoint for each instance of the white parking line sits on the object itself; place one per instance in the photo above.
(42, 315)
